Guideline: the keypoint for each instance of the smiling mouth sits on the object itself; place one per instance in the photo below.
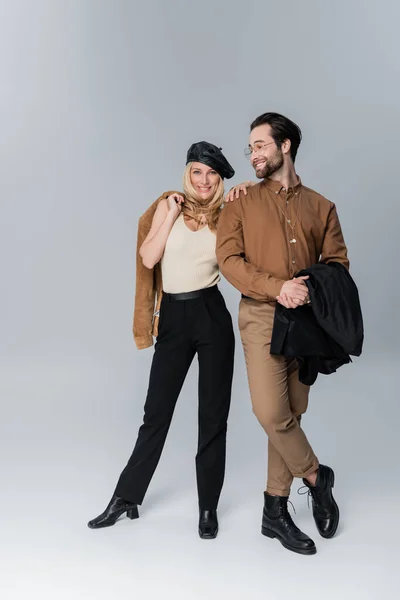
(204, 189)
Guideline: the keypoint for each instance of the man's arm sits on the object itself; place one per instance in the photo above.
(247, 278)
(333, 247)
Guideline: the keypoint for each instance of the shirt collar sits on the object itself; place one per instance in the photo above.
(277, 187)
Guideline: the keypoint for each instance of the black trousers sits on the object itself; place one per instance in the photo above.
(204, 326)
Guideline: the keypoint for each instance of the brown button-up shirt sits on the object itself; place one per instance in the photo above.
(256, 250)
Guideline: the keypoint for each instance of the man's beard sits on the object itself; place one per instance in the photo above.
(271, 165)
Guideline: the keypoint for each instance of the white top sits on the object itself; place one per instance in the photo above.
(189, 262)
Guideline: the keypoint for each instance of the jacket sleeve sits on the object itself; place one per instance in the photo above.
(247, 278)
(145, 293)
(333, 247)
(148, 284)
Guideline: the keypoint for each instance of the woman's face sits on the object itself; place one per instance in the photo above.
(204, 180)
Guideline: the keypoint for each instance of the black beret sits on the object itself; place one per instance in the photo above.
(210, 155)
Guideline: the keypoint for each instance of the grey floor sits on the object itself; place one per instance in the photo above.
(66, 432)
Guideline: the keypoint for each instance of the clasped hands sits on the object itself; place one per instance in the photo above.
(294, 293)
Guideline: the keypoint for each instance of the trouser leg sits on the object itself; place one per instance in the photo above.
(172, 358)
(274, 386)
(215, 347)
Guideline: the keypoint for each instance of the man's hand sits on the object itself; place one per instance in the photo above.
(235, 190)
(294, 292)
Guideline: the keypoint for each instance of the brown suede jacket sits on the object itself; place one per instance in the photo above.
(148, 285)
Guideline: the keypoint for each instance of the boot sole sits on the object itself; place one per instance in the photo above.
(208, 536)
(270, 534)
(101, 526)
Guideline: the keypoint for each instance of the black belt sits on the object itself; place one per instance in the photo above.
(189, 295)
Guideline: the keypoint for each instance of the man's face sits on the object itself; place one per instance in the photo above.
(266, 157)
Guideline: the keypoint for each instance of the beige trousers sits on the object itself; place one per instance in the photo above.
(278, 398)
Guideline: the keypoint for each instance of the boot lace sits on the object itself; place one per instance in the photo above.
(303, 490)
(292, 505)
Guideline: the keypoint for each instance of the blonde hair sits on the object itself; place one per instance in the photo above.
(194, 207)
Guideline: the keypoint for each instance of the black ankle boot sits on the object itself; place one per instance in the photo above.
(208, 524)
(116, 507)
(325, 509)
(277, 523)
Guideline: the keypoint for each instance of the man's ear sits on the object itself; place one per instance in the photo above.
(286, 145)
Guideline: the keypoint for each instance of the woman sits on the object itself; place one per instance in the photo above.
(193, 319)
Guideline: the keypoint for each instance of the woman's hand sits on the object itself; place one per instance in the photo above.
(175, 202)
(235, 190)
(164, 218)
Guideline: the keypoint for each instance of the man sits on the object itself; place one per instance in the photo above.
(279, 228)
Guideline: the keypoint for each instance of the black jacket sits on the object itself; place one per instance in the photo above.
(323, 334)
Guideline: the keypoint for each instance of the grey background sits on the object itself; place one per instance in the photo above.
(99, 101)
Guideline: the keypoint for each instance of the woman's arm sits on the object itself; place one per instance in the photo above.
(236, 189)
(165, 216)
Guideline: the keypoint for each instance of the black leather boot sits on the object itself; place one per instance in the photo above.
(116, 507)
(208, 524)
(277, 523)
(325, 510)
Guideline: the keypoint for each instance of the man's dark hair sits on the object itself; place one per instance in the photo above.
(282, 129)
